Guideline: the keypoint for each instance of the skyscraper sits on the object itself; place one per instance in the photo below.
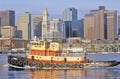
(45, 23)
(118, 24)
(68, 29)
(81, 28)
(70, 16)
(7, 18)
(89, 27)
(94, 25)
(100, 24)
(110, 18)
(24, 25)
(58, 26)
(54, 24)
(37, 25)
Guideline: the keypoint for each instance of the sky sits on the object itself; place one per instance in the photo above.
(56, 7)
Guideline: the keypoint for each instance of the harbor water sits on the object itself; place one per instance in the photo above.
(85, 73)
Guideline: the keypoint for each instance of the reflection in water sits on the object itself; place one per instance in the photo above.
(18, 74)
(113, 74)
(57, 74)
(93, 73)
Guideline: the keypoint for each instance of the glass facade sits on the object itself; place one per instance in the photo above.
(70, 19)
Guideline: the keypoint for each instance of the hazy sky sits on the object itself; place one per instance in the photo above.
(56, 7)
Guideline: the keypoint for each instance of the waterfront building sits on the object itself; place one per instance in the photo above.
(45, 23)
(13, 43)
(24, 25)
(7, 31)
(100, 24)
(7, 18)
(71, 22)
(74, 40)
(37, 25)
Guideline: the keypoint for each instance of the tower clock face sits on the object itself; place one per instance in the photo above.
(53, 46)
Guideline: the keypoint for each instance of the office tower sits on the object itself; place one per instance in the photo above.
(7, 18)
(53, 35)
(58, 26)
(45, 23)
(110, 18)
(37, 25)
(100, 24)
(68, 29)
(24, 25)
(81, 28)
(70, 16)
(54, 24)
(118, 24)
(89, 27)
(94, 25)
(7, 31)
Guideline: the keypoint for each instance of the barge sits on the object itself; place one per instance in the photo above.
(47, 54)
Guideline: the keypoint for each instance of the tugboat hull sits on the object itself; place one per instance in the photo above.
(24, 63)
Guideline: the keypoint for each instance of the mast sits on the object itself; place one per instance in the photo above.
(85, 54)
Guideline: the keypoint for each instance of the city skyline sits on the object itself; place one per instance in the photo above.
(69, 16)
(56, 7)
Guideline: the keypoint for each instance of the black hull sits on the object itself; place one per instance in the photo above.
(23, 63)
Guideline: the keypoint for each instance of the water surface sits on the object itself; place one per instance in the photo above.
(89, 73)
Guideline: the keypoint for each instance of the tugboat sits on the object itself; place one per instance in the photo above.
(47, 54)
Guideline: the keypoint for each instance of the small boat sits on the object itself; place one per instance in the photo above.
(47, 55)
